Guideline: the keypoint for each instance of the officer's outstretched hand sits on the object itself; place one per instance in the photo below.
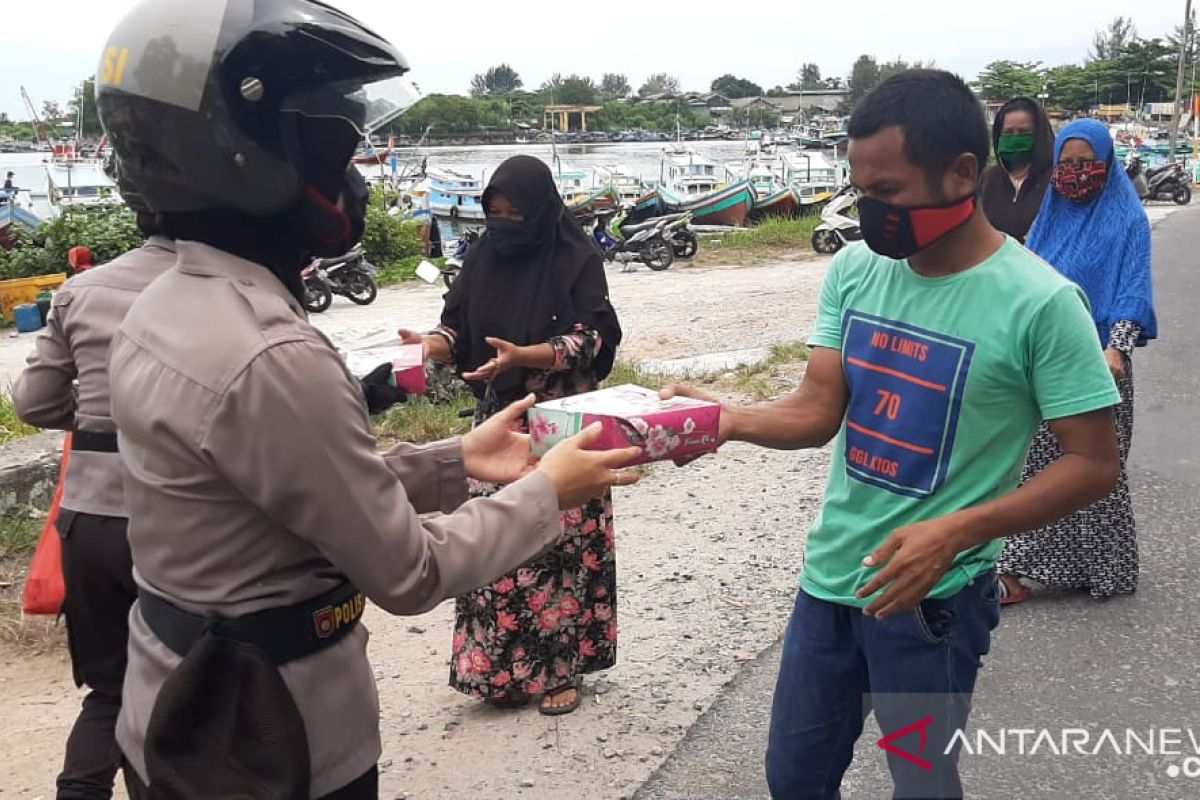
(379, 390)
(494, 452)
(580, 475)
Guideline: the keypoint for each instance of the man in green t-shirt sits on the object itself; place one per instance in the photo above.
(939, 348)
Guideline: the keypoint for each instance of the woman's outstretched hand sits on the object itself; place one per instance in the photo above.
(494, 452)
(507, 357)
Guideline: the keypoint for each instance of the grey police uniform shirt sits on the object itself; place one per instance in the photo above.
(254, 482)
(85, 315)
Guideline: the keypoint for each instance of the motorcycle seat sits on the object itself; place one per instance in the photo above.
(629, 230)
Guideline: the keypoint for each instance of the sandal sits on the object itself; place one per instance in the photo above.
(557, 711)
(1010, 597)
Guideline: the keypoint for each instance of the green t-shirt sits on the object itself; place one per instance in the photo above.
(949, 379)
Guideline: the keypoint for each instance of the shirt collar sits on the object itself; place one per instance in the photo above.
(206, 261)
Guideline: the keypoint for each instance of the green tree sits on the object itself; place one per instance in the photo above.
(51, 112)
(83, 107)
(660, 83)
(1071, 88)
(755, 117)
(1107, 43)
(648, 116)
(808, 78)
(778, 91)
(614, 85)
(1149, 67)
(501, 79)
(576, 91)
(864, 77)
(1186, 35)
(1001, 80)
(734, 87)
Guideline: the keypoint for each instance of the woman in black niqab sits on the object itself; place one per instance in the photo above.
(525, 283)
(530, 313)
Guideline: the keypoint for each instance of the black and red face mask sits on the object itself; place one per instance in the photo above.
(898, 232)
(1080, 182)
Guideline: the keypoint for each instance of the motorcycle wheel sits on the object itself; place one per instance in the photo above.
(826, 242)
(318, 297)
(1182, 195)
(686, 246)
(362, 289)
(658, 255)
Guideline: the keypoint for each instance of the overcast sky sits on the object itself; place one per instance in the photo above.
(50, 47)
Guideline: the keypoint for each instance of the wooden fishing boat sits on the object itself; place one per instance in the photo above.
(729, 206)
(601, 199)
(12, 218)
(780, 203)
(650, 204)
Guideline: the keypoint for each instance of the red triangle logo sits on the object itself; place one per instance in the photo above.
(922, 727)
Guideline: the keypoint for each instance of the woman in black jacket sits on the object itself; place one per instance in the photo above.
(1012, 189)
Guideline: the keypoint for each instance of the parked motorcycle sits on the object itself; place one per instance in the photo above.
(678, 231)
(837, 228)
(349, 275)
(643, 243)
(454, 262)
(1166, 182)
(318, 297)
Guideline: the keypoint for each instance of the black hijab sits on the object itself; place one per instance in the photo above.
(534, 297)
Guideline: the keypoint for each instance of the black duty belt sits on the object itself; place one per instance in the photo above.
(89, 442)
(282, 634)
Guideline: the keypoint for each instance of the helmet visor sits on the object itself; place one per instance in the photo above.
(368, 107)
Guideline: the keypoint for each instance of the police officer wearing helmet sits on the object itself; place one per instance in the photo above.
(261, 512)
(65, 386)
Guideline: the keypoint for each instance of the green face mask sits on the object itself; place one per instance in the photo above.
(1015, 149)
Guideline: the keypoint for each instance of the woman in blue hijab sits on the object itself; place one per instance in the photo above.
(1092, 229)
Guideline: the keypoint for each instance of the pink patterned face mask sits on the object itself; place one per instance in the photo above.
(1080, 182)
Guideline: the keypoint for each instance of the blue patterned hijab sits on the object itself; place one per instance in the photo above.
(1103, 245)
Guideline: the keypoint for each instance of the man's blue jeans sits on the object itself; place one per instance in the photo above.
(916, 671)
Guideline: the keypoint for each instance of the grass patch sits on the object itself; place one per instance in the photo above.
(19, 536)
(18, 539)
(765, 379)
(420, 421)
(764, 241)
(759, 381)
(11, 428)
(624, 372)
(404, 271)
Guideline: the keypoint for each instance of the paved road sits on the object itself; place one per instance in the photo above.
(1056, 663)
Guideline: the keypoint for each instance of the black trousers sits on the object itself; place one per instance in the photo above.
(98, 573)
(364, 788)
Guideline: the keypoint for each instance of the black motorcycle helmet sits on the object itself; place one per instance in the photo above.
(239, 105)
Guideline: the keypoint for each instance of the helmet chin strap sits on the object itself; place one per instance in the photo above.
(328, 227)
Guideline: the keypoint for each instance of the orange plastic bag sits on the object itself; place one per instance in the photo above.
(45, 590)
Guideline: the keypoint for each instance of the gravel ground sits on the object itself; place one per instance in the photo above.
(708, 557)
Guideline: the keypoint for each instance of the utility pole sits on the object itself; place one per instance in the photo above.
(1184, 42)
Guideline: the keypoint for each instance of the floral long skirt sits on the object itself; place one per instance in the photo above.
(1093, 549)
(550, 621)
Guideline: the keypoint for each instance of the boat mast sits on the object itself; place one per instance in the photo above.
(39, 128)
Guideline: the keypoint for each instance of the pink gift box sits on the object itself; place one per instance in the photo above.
(408, 363)
(666, 430)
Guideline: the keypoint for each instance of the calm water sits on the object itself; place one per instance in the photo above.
(643, 159)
